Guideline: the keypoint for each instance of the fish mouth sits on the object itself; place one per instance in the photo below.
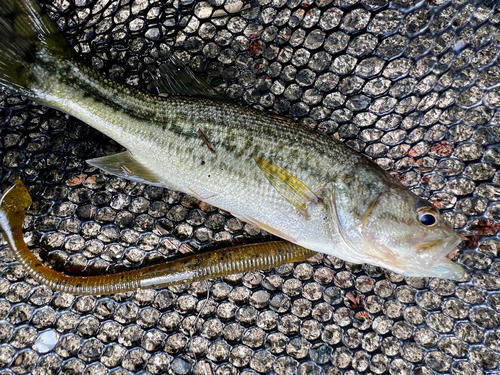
(442, 266)
(449, 245)
(452, 245)
(433, 261)
(436, 246)
(429, 245)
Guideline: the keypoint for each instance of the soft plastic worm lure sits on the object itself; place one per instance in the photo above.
(16, 200)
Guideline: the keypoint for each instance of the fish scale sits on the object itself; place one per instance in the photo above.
(171, 125)
(452, 350)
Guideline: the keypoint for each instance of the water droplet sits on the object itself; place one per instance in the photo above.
(46, 341)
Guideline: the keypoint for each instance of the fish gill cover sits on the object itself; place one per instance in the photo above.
(412, 84)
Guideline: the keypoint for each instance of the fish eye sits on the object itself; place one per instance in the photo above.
(428, 217)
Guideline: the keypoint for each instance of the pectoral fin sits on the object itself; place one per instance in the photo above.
(125, 166)
(289, 186)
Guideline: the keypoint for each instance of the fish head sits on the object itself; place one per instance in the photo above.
(380, 222)
(408, 235)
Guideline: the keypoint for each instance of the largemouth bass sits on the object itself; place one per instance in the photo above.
(287, 179)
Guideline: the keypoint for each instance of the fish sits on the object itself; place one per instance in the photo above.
(298, 184)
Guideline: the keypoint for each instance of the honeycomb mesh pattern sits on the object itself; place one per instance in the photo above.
(412, 84)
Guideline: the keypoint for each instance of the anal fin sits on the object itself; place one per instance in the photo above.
(125, 166)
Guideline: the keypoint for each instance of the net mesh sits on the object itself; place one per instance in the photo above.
(412, 84)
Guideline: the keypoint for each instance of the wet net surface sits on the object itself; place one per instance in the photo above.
(414, 85)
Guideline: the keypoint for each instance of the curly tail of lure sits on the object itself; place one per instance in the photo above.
(16, 200)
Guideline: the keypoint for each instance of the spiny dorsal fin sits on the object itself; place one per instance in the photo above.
(125, 166)
(175, 78)
(289, 186)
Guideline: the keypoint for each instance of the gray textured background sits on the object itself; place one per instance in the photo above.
(412, 84)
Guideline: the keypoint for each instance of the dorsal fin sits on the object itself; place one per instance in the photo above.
(173, 77)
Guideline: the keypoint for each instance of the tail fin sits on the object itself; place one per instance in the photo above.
(27, 37)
